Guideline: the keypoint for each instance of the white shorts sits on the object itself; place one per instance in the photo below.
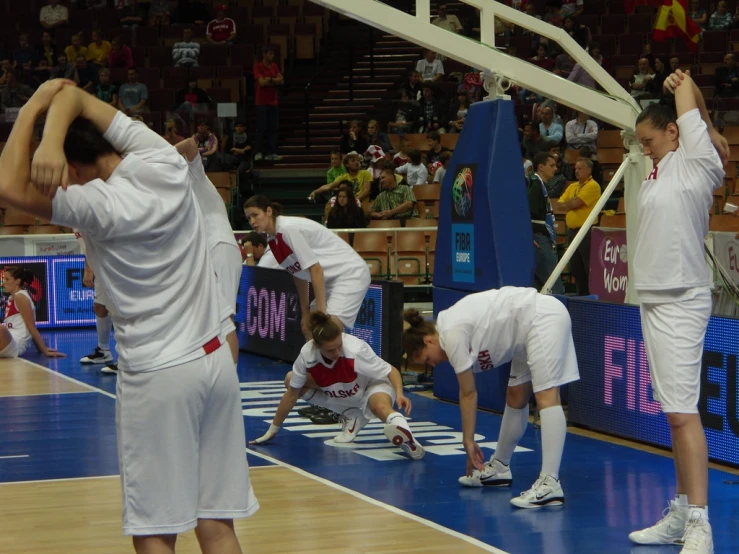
(338, 405)
(181, 446)
(549, 359)
(228, 267)
(13, 349)
(99, 295)
(673, 338)
(344, 299)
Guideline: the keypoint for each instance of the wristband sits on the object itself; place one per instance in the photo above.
(274, 428)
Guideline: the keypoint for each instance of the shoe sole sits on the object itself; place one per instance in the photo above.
(558, 501)
(404, 439)
(87, 361)
(678, 542)
(109, 371)
(495, 483)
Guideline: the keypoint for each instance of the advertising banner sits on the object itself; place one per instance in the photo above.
(609, 269)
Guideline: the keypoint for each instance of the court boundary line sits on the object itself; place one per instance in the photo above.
(47, 394)
(91, 388)
(393, 509)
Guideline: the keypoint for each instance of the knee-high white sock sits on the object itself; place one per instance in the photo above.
(553, 433)
(104, 326)
(396, 418)
(512, 429)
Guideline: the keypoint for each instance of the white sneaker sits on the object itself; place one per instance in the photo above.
(698, 537)
(258, 157)
(495, 474)
(97, 356)
(110, 369)
(352, 422)
(668, 530)
(402, 437)
(545, 492)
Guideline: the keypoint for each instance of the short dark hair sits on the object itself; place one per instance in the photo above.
(542, 158)
(434, 135)
(658, 116)
(266, 49)
(414, 155)
(255, 239)
(84, 143)
(262, 202)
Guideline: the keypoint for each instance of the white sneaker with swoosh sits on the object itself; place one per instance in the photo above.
(352, 422)
(546, 491)
(668, 530)
(495, 474)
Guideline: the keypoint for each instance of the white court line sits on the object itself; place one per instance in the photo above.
(13, 457)
(388, 507)
(48, 393)
(85, 385)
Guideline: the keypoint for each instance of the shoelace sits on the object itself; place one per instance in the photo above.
(538, 483)
(692, 537)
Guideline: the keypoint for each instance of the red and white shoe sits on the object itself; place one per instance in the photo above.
(402, 437)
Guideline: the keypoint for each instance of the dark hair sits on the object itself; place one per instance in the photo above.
(240, 122)
(255, 239)
(24, 274)
(351, 208)
(262, 202)
(418, 329)
(594, 46)
(323, 328)
(535, 126)
(542, 158)
(658, 116)
(84, 143)
(266, 49)
(445, 156)
(586, 152)
(414, 155)
(434, 135)
(389, 170)
(337, 153)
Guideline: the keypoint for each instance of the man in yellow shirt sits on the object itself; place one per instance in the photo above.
(99, 50)
(578, 201)
(74, 49)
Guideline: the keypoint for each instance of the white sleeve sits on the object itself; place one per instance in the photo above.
(696, 147)
(457, 346)
(403, 169)
(438, 67)
(268, 260)
(88, 208)
(300, 373)
(370, 364)
(300, 247)
(423, 174)
(128, 136)
(419, 66)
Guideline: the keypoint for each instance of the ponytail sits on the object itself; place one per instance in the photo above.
(418, 329)
(263, 202)
(24, 274)
(323, 327)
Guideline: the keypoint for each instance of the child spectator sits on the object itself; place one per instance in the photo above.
(401, 158)
(441, 172)
(105, 90)
(207, 143)
(415, 172)
(337, 167)
(433, 139)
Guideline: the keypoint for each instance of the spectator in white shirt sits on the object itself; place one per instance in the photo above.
(415, 171)
(444, 160)
(54, 15)
(581, 131)
(430, 67)
(186, 52)
(446, 21)
(641, 78)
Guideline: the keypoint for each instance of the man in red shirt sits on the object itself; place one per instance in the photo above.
(267, 79)
(222, 28)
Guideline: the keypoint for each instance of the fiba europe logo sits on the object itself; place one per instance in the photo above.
(462, 192)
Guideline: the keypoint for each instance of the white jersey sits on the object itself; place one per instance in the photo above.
(268, 260)
(146, 245)
(672, 223)
(300, 243)
(486, 329)
(14, 321)
(346, 377)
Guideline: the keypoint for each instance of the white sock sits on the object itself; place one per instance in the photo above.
(396, 418)
(681, 500)
(512, 429)
(553, 433)
(104, 326)
(698, 512)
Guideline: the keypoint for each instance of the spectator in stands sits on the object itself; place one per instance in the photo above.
(433, 139)
(207, 143)
(640, 81)
(441, 171)
(580, 76)
(53, 15)
(528, 166)
(404, 114)
(192, 99)
(572, 8)
(47, 49)
(377, 137)
(450, 22)
(529, 97)
(84, 75)
(24, 56)
(721, 19)
(336, 169)
(6, 68)
(562, 175)
(674, 64)
(430, 67)
(532, 140)
(542, 217)
(578, 201)
(256, 249)
(41, 73)
(726, 78)
(170, 132)
(554, 15)
(433, 112)
(458, 112)
(133, 96)
(699, 14)
(185, 53)
(414, 85)
(551, 132)
(401, 158)
(99, 50)
(654, 88)
(130, 13)
(237, 149)
(542, 60)
(415, 172)
(353, 140)
(360, 179)
(74, 49)
(63, 69)
(14, 94)
(159, 13)
(581, 131)
(105, 90)
(222, 29)
(120, 54)
(579, 33)
(396, 201)
(193, 11)
(563, 65)
(597, 169)
(346, 212)
(268, 79)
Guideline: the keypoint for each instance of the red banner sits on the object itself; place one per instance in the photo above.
(609, 269)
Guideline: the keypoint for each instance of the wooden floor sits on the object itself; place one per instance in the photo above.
(20, 378)
(298, 515)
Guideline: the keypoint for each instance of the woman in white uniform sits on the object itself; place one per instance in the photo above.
(483, 331)
(341, 373)
(18, 328)
(670, 275)
(312, 253)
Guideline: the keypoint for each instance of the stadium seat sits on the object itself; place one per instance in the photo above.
(161, 99)
(146, 36)
(429, 195)
(384, 224)
(251, 34)
(220, 179)
(159, 56)
(212, 55)
(617, 221)
(640, 23)
(723, 223)
(221, 95)
(13, 230)
(262, 15)
(714, 41)
(17, 217)
(373, 247)
(44, 230)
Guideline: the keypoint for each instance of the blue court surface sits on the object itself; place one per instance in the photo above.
(610, 489)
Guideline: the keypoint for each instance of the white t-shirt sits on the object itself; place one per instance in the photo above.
(146, 244)
(15, 323)
(346, 377)
(215, 218)
(415, 174)
(569, 7)
(429, 70)
(672, 222)
(301, 243)
(485, 329)
(268, 260)
(439, 175)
